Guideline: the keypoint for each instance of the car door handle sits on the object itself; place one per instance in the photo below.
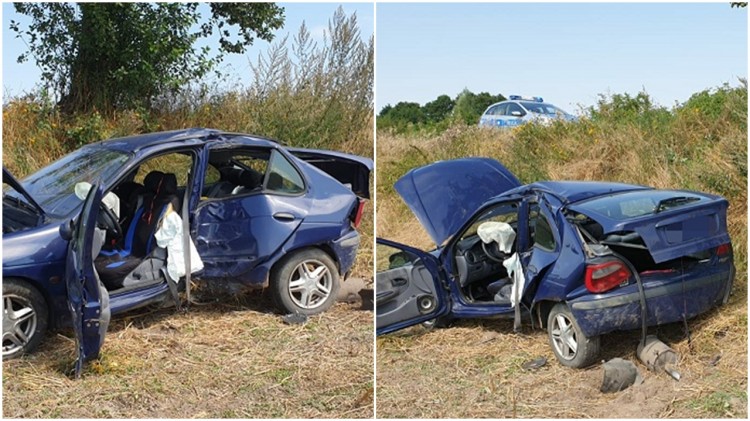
(284, 216)
(399, 282)
(384, 296)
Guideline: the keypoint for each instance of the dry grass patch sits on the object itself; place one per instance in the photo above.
(234, 359)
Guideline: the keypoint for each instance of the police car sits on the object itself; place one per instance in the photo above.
(518, 110)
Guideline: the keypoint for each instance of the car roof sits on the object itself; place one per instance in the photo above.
(576, 191)
(138, 142)
(517, 101)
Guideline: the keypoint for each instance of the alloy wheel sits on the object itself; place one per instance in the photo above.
(310, 284)
(564, 337)
(19, 323)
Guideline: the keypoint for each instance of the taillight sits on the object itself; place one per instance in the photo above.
(724, 250)
(358, 215)
(601, 277)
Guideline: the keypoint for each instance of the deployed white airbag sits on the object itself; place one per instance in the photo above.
(169, 236)
(515, 271)
(500, 232)
(110, 199)
(504, 235)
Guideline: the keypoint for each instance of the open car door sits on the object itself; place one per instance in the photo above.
(88, 301)
(409, 287)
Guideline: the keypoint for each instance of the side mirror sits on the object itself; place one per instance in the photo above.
(66, 230)
(516, 113)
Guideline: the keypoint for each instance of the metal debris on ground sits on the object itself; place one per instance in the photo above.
(294, 319)
(714, 360)
(535, 363)
(619, 374)
(658, 356)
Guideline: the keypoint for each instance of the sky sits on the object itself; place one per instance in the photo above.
(565, 53)
(20, 78)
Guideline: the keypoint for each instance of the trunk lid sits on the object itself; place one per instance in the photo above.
(346, 168)
(671, 223)
(445, 194)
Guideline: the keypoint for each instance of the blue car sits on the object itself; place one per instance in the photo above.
(81, 237)
(518, 110)
(579, 258)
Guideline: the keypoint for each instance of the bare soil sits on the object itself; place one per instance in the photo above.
(230, 359)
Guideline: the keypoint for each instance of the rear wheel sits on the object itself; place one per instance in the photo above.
(305, 282)
(24, 318)
(571, 347)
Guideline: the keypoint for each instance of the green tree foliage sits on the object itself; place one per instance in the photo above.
(439, 109)
(108, 56)
(438, 114)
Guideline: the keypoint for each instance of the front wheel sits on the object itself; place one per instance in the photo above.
(305, 282)
(24, 318)
(571, 347)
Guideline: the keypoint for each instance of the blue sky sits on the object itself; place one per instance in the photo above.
(20, 78)
(565, 53)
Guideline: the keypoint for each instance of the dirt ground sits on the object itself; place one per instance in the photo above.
(473, 369)
(235, 359)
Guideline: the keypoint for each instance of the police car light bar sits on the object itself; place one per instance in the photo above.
(527, 98)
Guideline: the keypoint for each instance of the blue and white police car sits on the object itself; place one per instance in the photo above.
(518, 110)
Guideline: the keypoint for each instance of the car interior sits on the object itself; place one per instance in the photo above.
(235, 172)
(130, 258)
(479, 265)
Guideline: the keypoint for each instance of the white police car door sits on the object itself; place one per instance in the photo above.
(512, 116)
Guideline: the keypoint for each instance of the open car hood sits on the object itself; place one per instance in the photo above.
(346, 168)
(444, 195)
(10, 180)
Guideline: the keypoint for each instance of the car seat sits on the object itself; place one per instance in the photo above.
(159, 192)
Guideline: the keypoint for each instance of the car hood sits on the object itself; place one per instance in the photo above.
(8, 178)
(444, 195)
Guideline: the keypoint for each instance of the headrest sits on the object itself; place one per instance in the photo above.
(170, 184)
(152, 181)
(158, 183)
(250, 179)
(230, 174)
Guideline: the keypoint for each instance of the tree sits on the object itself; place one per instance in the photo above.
(438, 109)
(470, 106)
(108, 56)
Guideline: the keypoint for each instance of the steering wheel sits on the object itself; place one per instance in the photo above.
(493, 251)
(108, 220)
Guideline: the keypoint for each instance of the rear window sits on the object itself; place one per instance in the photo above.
(635, 204)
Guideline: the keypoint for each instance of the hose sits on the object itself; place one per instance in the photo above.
(642, 293)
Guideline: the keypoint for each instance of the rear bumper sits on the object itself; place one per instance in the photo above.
(346, 248)
(668, 300)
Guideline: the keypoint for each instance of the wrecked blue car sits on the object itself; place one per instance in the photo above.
(579, 258)
(99, 232)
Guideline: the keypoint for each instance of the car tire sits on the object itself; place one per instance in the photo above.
(25, 318)
(305, 282)
(571, 347)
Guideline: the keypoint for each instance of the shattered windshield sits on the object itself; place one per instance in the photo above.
(53, 186)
